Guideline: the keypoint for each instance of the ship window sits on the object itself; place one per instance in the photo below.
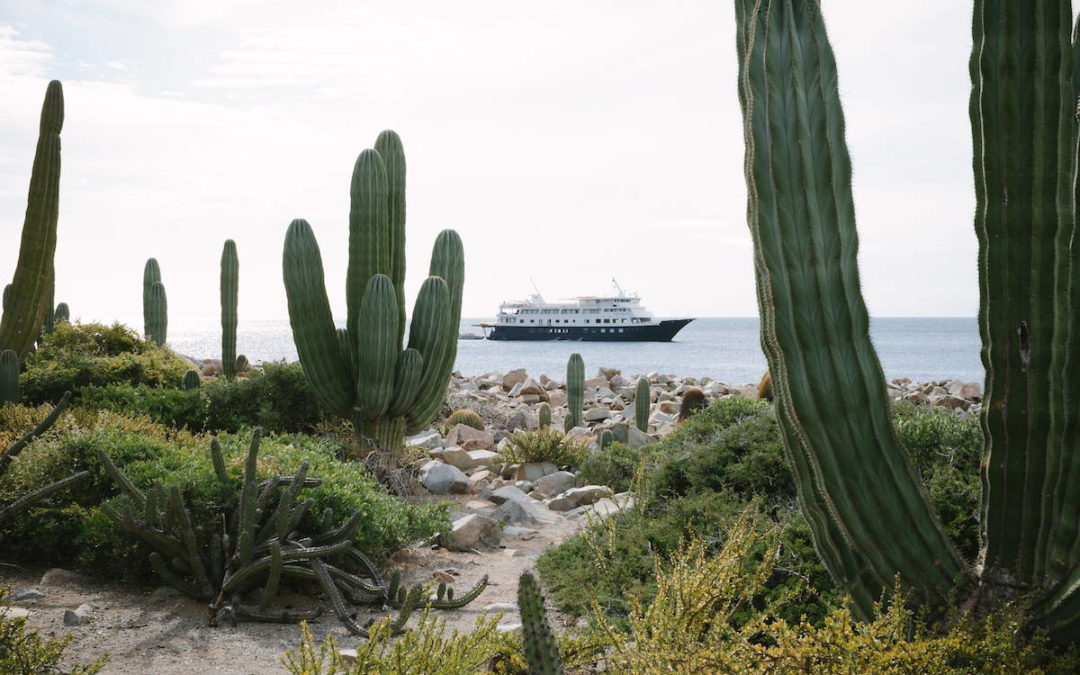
(620, 330)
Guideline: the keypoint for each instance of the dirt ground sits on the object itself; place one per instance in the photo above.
(157, 630)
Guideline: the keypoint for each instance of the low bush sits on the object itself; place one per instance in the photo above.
(69, 528)
(76, 356)
(544, 445)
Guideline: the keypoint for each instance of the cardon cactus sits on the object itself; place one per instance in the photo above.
(362, 373)
(575, 390)
(642, 401)
(27, 301)
(62, 314)
(867, 510)
(251, 551)
(191, 380)
(230, 289)
(541, 650)
(544, 415)
(9, 377)
(467, 417)
(693, 402)
(155, 307)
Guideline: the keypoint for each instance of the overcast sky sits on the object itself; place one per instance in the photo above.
(568, 142)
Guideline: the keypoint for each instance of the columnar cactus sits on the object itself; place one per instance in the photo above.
(191, 380)
(605, 439)
(544, 414)
(62, 314)
(230, 288)
(50, 315)
(541, 650)
(362, 372)
(642, 401)
(869, 515)
(155, 307)
(26, 303)
(575, 390)
(9, 377)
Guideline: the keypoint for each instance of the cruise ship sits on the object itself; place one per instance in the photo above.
(616, 318)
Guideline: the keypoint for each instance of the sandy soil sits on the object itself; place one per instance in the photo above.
(157, 630)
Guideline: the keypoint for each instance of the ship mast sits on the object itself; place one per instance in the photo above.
(618, 288)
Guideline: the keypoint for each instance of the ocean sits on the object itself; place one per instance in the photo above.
(726, 349)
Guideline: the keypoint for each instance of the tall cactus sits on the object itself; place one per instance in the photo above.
(155, 310)
(9, 376)
(27, 302)
(362, 372)
(642, 401)
(544, 415)
(230, 289)
(541, 650)
(575, 390)
(870, 518)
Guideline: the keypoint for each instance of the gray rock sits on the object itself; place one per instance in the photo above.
(79, 616)
(442, 479)
(484, 457)
(571, 499)
(455, 456)
(604, 508)
(58, 575)
(507, 493)
(630, 436)
(12, 613)
(508, 627)
(555, 483)
(517, 421)
(531, 386)
(600, 412)
(425, 439)
(502, 607)
(534, 471)
(470, 439)
(515, 532)
(530, 512)
(514, 377)
(27, 594)
(473, 531)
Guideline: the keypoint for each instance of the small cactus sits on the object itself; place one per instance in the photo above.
(545, 416)
(642, 400)
(541, 650)
(575, 390)
(191, 380)
(764, 388)
(242, 364)
(606, 438)
(467, 417)
(693, 401)
(62, 314)
(9, 376)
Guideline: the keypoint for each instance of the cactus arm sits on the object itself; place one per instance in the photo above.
(248, 503)
(378, 348)
(44, 425)
(151, 274)
(121, 479)
(312, 323)
(9, 377)
(368, 233)
(447, 599)
(336, 600)
(9, 511)
(196, 564)
(389, 147)
(25, 304)
(831, 392)
(427, 332)
(642, 401)
(270, 589)
(158, 312)
(230, 289)
(407, 373)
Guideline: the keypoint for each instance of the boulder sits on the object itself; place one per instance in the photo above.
(11, 613)
(557, 397)
(604, 508)
(470, 439)
(484, 457)
(473, 531)
(596, 382)
(600, 412)
(507, 493)
(514, 532)
(630, 436)
(531, 386)
(519, 420)
(455, 456)
(443, 479)
(555, 483)
(526, 512)
(513, 378)
(80, 616)
(532, 471)
(425, 439)
(575, 497)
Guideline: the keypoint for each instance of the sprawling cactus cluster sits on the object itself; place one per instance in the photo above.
(361, 372)
(575, 390)
(869, 515)
(27, 300)
(238, 568)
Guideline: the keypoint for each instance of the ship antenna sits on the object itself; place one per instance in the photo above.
(538, 293)
(618, 287)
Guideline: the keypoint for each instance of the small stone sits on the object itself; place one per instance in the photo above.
(527, 512)
(470, 439)
(79, 616)
(27, 594)
(455, 456)
(508, 492)
(484, 457)
(439, 575)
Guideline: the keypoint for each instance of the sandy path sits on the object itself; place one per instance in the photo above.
(157, 630)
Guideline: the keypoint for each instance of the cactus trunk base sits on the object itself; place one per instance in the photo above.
(385, 434)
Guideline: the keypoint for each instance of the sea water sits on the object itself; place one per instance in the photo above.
(726, 349)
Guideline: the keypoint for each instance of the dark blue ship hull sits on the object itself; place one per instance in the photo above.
(660, 332)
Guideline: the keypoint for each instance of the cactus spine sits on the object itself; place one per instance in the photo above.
(575, 390)
(9, 377)
(155, 307)
(362, 372)
(541, 650)
(230, 288)
(544, 414)
(869, 516)
(27, 301)
(642, 399)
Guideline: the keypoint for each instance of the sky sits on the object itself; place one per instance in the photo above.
(568, 142)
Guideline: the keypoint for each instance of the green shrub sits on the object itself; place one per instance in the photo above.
(172, 407)
(614, 466)
(23, 652)
(544, 445)
(76, 356)
(69, 529)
